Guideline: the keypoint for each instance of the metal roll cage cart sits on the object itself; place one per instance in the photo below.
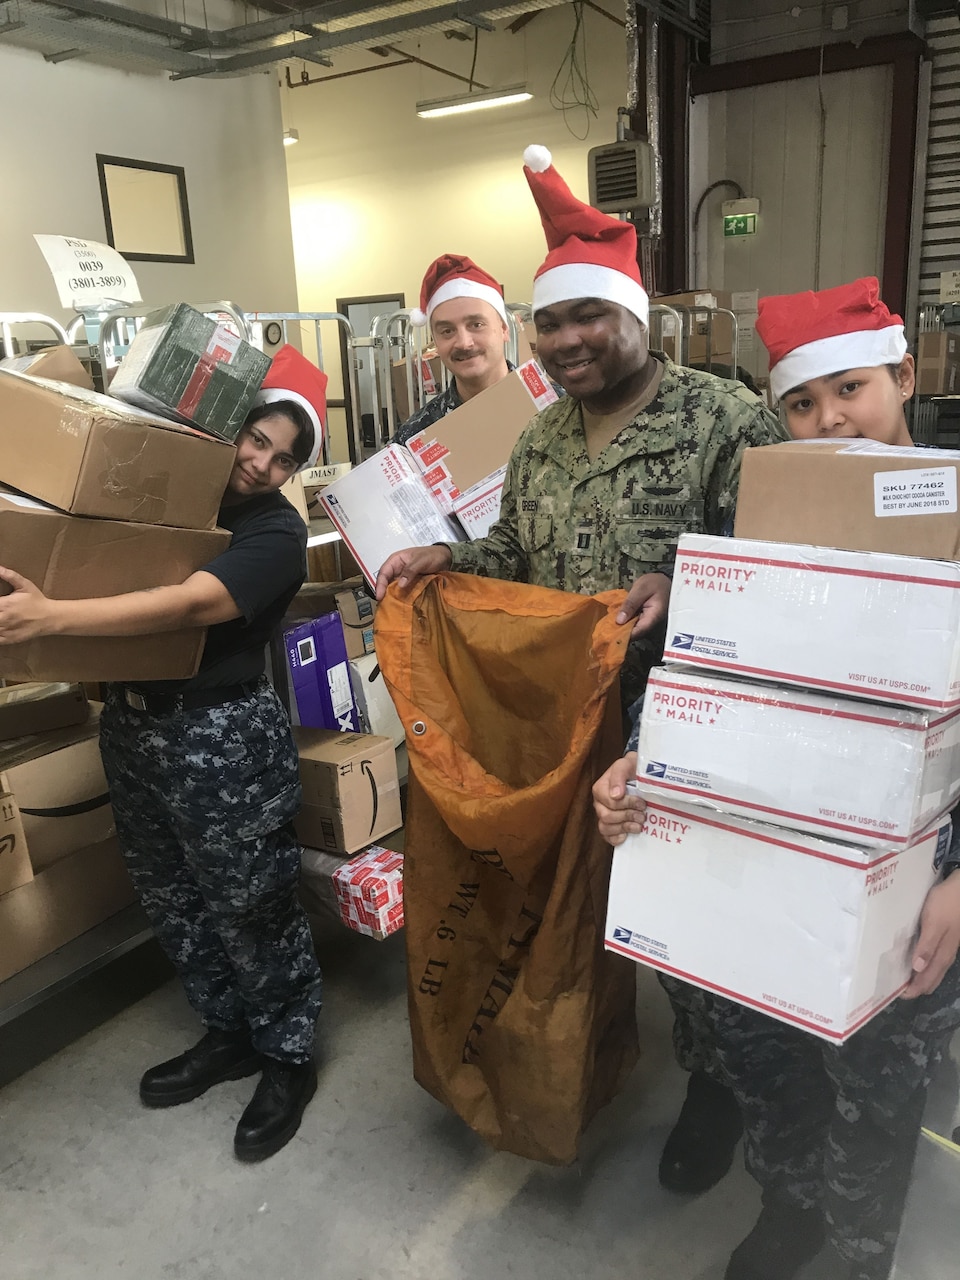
(10, 318)
(682, 321)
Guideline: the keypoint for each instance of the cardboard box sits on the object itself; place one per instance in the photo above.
(385, 505)
(93, 456)
(15, 869)
(938, 363)
(317, 661)
(713, 334)
(60, 364)
(377, 713)
(69, 558)
(814, 933)
(348, 598)
(432, 376)
(858, 623)
(37, 708)
(295, 494)
(58, 782)
(873, 775)
(468, 445)
(369, 889)
(855, 494)
(316, 479)
(479, 508)
(185, 366)
(60, 904)
(351, 794)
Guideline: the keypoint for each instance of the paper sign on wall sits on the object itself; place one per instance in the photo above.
(87, 273)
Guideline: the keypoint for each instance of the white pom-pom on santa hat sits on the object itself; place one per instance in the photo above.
(418, 318)
(537, 159)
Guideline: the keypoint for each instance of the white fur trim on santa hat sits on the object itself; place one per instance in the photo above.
(460, 287)
(418, 318)
(537, 159)
(864, 349)
(587, 280)
(272, 394)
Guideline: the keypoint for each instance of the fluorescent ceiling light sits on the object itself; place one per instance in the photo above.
(473, 102)
(290, 136)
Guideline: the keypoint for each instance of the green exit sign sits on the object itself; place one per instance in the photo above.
(739, 224)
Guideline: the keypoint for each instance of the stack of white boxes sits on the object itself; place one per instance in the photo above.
(799, 754)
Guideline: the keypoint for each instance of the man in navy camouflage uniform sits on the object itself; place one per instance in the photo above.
(598, 490)
(464, 307)
(204, 780)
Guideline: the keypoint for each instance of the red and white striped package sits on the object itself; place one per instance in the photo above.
(369, 892)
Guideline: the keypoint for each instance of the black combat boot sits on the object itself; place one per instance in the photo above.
(274, 1113)
(699, 1150)
(219, 1056)
(783, 1239)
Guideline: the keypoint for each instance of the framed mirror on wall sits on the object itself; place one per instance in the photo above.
(145, 209)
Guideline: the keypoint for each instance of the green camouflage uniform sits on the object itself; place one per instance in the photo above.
(575, 525)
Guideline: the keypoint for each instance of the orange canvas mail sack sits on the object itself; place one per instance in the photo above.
(521, 1023)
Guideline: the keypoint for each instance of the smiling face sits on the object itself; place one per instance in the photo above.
(595, 349)
(854, 403)
(264, 460)
(469, 335)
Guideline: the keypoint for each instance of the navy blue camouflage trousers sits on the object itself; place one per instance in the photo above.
(837, 1125)
(204, 802)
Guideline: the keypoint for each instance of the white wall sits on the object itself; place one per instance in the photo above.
(226, 134)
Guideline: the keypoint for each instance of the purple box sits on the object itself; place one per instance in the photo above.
(317, 658)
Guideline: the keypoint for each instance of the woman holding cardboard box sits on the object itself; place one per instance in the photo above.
(204, 779)
(831, 1131)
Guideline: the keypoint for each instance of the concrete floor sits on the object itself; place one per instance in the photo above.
(381, 1183)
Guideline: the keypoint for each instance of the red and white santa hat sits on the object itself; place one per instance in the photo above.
(591, 255)
(453, 275)
(291, 376)
(810, 335)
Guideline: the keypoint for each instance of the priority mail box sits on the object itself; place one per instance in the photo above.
(184, 365)
(862, 624)
(70, 558)
(60, 904)
(385, 505)
(855, 494)
(59, 364)
(90, 455)
(36, 707)
(478, 509)
(868, 773)
(369, 889)
(317, 661)
(377, 712)
(468, 445)
(814, 932)
(58, 782)
(351, 794)
(15, 868)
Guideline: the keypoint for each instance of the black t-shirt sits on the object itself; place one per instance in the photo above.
(263, 569)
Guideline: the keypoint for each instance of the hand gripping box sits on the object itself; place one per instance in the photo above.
(369, 890)
(384, 505)
(862, 624)
(871, 774)
(815, 933)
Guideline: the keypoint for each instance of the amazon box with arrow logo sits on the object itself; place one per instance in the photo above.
(58, 782)
(351, 793)
(14, 864)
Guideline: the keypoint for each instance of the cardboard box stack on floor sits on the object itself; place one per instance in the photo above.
(800, 750)
(351, 793)
(445, 484)
(62, 874)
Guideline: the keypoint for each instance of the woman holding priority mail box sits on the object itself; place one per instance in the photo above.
(831, 1131)
(204, 778)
